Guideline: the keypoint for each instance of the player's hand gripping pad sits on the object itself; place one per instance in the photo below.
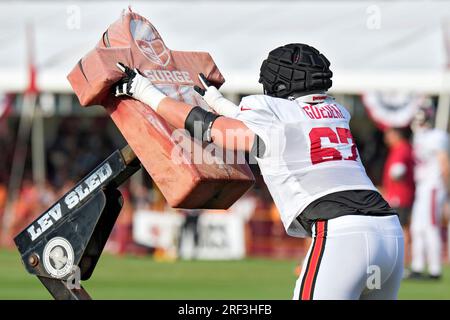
(186, 181)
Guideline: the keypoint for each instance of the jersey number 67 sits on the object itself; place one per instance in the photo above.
(341, 139)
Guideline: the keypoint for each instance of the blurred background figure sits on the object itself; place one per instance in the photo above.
(398, 178)
(432, 177)
(190, 227)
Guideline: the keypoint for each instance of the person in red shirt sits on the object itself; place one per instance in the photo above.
(398, 178)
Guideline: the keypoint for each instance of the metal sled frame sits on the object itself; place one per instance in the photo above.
(64, 244)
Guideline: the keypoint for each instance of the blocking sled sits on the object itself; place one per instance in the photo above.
(185, 179)
(63, 245)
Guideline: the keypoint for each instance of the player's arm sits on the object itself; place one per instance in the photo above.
(223, 131)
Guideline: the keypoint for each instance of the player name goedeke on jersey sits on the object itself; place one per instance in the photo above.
(328, 111)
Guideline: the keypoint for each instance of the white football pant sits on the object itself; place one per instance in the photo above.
(353, 257)
(425, 229)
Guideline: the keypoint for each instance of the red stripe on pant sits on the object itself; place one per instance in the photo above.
(433, 207)
(313, 264)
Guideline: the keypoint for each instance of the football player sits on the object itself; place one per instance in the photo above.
(301, 139)
(431, 175)
(398, 179)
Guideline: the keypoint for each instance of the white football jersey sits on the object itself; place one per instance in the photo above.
(309, 152)
(427, 143)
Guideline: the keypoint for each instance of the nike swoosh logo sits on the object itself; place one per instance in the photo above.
(245, 109)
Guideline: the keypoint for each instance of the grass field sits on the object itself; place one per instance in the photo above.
(143, 278)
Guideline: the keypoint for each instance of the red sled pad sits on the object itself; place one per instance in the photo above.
(188, 173)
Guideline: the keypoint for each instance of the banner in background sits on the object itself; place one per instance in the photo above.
(392, 109)
(221, 236)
